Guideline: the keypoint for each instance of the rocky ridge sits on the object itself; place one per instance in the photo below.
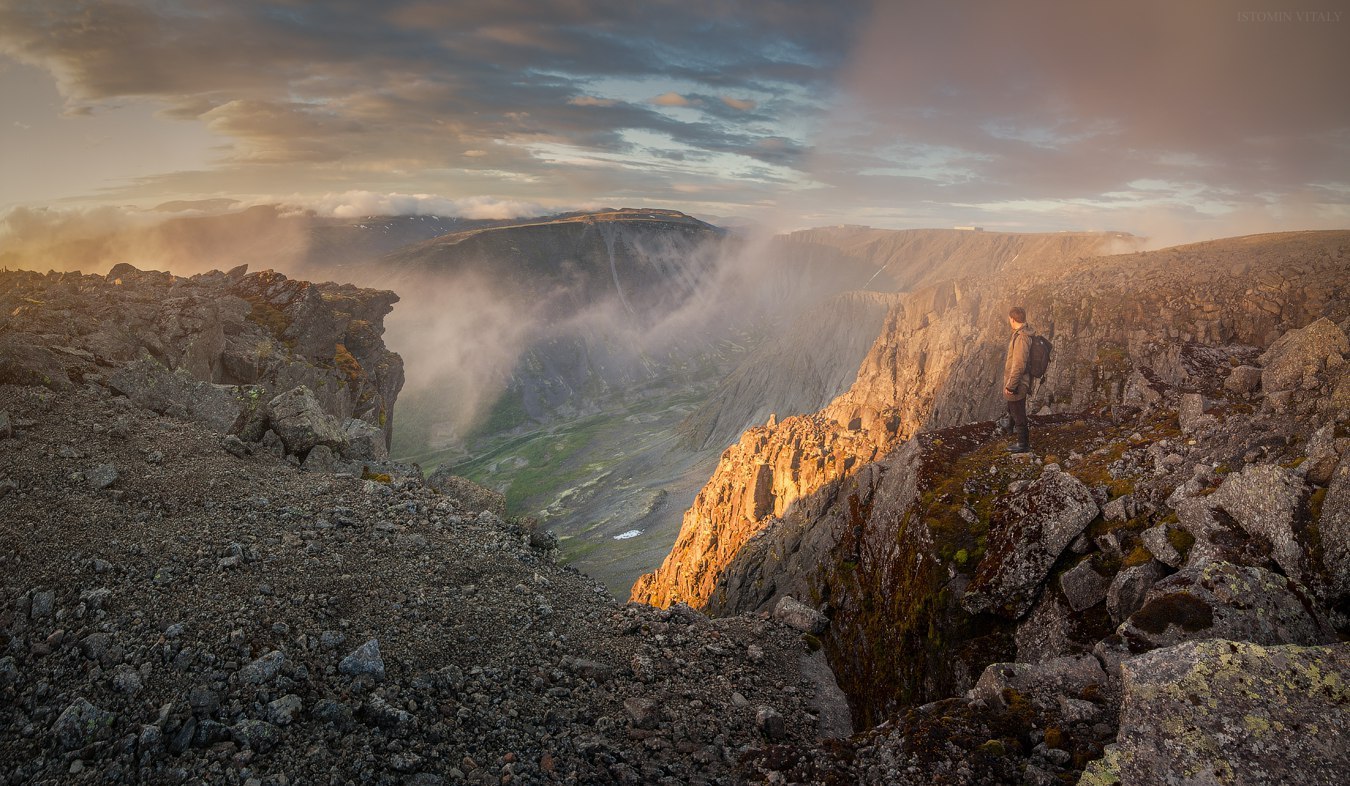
(1184, 489)
(215, 347)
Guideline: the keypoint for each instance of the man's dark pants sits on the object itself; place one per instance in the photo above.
(1017, 410)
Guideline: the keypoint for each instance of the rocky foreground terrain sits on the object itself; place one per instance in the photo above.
(264, 599)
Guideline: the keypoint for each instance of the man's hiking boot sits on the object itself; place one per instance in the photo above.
(1023, 439)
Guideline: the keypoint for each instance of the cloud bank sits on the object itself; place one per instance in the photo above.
(1034, 115)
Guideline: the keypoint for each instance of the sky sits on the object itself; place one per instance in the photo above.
(1192, 119)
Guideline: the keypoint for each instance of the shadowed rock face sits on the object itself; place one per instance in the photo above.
(212, 347)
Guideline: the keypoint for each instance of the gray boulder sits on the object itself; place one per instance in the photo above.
(800, 616)
(1045, 632)
(1264, 499)
(320, 459)
(23, 363)
(1293, 361)
(1083, 586)
(1321, 456)
(1119, 509)
(1033, 528)
(1191, 414)
(261, 736)
(298, 418)
(1158, 543)
(262, 669)
(102, 476)
(1223, 600)
(365, 442)
(1041, 683)
(365, 659)
(1223, 712)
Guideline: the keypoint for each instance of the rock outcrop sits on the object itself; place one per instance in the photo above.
(1186, 502)
(215, 347)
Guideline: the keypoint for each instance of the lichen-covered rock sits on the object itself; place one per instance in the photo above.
(1223, 600)
(301, 423)
(1083, 586)
(1334, 526)
(1129, 588)
(1041, 683)
(1234, 713)
(1045, 632)
(468, 494)
(800, 616)
(1296, 357)
(1265, 499)
(81, 724)
(1028, 535)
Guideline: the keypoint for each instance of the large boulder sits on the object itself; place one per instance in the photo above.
(1027, 536)
(800, 616)
(1043, 684)
(1294, 360)
(1223, 712)
(150, 385)
(365, 442)
(1223, 600)
(298, 418)
(1265, 499)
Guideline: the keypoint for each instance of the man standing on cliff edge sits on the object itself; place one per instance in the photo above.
(1017, 376)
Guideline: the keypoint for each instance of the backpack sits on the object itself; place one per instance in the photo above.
(1040, 356)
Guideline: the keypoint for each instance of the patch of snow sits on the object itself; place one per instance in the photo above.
(632, 533)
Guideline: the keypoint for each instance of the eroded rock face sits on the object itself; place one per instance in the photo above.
(1222, 600)
(1225, 712)
(1025, 540)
